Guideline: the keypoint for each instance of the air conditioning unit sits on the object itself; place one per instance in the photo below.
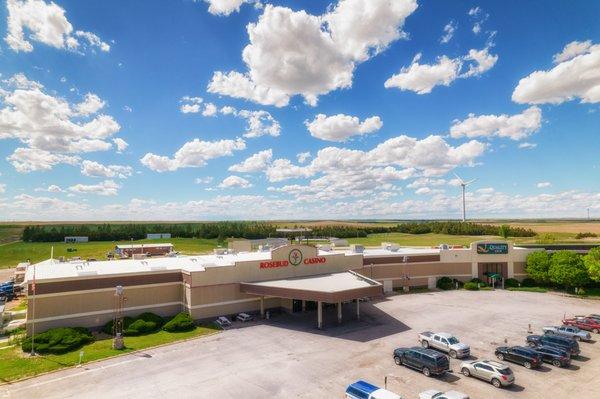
(357, 249)
(444, 247)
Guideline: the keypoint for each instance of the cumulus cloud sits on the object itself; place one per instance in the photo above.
(105, 188)
(46, 23)
(193, 154)
(121, 144)
(341, 127)
(52, 188)
(210, 109)
(544, 184)
(256, 163)
(235, 181)
(95, 169)
(190, 105)
(422, 78)
(225, 7)
(527, 146)
(295, 53)
(515, 127)
(303, 156)
(49, 126)
(449, 30)
(203, 180)
(575, 76)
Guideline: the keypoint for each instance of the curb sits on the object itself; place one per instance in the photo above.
(2, 384)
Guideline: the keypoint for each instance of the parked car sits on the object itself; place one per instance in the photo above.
(445, 342)
(584, 323)
(567, 344)
(428, 361)
(594, 316)
(223, 322)
(435, 394)
(496, 373)
(363, 390)
(550, 354)
(521, 355)
(244, 317)
(568, 331)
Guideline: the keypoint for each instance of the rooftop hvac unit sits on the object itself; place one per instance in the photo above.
(444, 246)
(358, 249)
(323, 247)
(220, 251)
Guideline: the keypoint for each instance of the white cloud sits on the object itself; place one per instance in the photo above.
(572, 50)
(47, 24)
(27, 160)
(190, 105)
(527, 145)
(303, 156)
(256, 163)
(224, 7)
(476, 28)
(203, 180)
(544, 184)
(295, 53)
(2, 188)
(475, 11)
(515, 127)
(127, 108)
(49, 125)
(341, 127)
(210, 109)
(105, 188)
(426, 182)
(576, 77)
(95, 169)
(193, 154)
(422, 78)
(53, 188)
(235, 181)
(449, 30)
(121, 144)
(260, 123)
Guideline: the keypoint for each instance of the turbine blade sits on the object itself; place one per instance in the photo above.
(469, 182)
(459, 179)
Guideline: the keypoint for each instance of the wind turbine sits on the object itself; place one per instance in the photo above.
(463, 184)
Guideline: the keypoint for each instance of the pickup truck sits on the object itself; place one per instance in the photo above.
(363, 390)
(584, 323)
(446, 343)
(568, 331)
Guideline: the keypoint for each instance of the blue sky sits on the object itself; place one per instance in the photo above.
(123, 110)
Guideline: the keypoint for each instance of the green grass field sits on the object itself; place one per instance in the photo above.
(13, 253)
(14, 364)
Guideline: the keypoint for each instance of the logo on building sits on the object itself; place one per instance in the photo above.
(492, 248)
(295, 257)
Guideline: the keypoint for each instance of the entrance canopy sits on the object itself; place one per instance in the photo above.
(331, 288)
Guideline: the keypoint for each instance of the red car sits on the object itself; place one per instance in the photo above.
(584, 323)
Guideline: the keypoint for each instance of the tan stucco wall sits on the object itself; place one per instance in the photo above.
(233, 308)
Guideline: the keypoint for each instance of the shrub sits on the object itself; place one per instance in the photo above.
(108, 327)
(586, 234)
(58, 340)
(139, 327)
(142, 324)
(511, 282)
(471, 286)
(581, 292)
(537, 266)
(478, 281)
(528, 282)
(181, 322)
(445, 283)
(592, 263)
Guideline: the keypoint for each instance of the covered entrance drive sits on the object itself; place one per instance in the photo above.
(333, 288)
(493, 271)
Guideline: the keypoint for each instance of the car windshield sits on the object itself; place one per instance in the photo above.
(505, 371)
(452, 340)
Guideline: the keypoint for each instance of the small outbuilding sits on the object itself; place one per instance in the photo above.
(74, 239)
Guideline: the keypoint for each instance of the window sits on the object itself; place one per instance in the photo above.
(436, 338)
(484, 367)
(444, 341)
(453, 340)
(506, 371)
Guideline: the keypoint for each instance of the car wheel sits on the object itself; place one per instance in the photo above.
(577, 338)
(398, 360)
(500, 356)
(465, 371)
(595, 331)
(496, 383)
(527, 365)
(556, 363)
(531, 344)
(549, 332)
(426, 372)
(452, 354)
(425, 344)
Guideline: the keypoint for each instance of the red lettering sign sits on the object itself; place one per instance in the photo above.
(273, 264)
(313, 261)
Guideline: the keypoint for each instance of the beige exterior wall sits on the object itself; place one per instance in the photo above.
(230, 308)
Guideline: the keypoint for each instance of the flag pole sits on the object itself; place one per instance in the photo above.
(33, 314)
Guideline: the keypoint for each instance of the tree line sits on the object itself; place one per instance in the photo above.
(464, 228)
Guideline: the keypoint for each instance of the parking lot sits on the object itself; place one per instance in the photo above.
(286, 357)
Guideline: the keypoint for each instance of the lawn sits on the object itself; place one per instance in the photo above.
(13, 253)
(14, 364)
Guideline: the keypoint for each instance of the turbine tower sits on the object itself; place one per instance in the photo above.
(464, 184)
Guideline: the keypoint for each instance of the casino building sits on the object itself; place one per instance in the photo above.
(290, 277)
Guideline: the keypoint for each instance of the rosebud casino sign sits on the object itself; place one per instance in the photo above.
(295, 257)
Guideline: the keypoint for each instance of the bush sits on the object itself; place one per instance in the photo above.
(478, 281)
(511, 282)
(142, 324)
(444, 283)
(586, 234)
(537, 266)
(181, 322)
(568, 269)
(139, 327)
(58, 340)
(471, 286)
(528, 282)
(581, 292)
(108, 327)
(592, 263)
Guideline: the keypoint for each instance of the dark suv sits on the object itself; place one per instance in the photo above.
(520, 355)
(567, 344)
(554, 355)
(428, 361)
